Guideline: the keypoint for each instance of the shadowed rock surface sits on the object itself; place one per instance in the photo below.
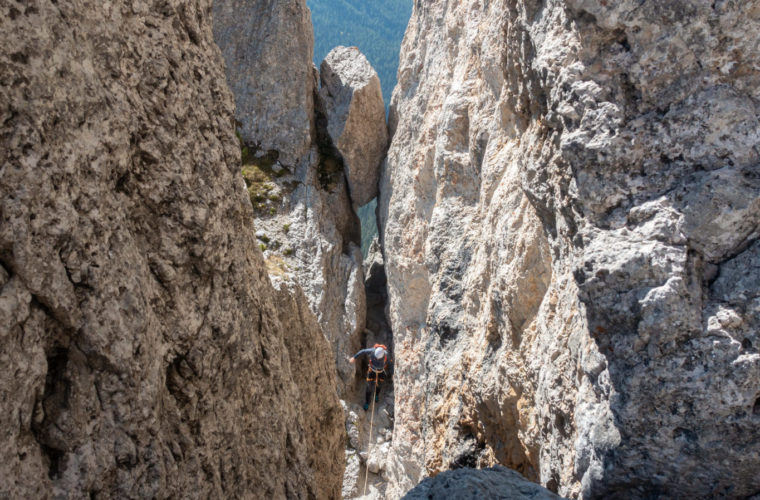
(569, 209)
(498, 483)
(145, 353)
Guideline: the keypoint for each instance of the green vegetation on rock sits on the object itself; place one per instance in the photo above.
(258, 183)
(259, 176)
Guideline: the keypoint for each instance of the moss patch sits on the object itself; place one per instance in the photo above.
(277, 266)
(259, 184)
(259, 176)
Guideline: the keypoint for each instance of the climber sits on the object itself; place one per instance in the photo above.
(378, 369)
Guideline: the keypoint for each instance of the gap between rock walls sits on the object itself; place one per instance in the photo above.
(366, 453)
(307, 173)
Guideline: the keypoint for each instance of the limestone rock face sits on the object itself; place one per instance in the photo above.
(353, 103)
(268, 46)
(304, 214)
(319, 251)
(494, 482)
(324, 446)
(569, 214)
(145, 353)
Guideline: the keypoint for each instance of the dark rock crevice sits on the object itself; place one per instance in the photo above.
(53, 403)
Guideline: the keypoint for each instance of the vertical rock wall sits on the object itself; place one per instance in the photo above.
(145, 353)
(569, 214)
(300, 195)
(268, 46)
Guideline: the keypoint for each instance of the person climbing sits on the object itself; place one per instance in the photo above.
(377, 371)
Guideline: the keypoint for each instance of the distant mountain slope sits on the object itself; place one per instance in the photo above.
(375, 26)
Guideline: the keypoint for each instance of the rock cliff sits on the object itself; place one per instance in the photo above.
(302, 193)
(305, 193)
(145, 352)
(494, 482)
(569, 213)
(267, 47)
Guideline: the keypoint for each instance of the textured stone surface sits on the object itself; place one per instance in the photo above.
(145, 353)
(495, 482)
(364, 451)
(304, 214)
(333, 280)
(314, 373)
(569, 214)
(310, 234)
(353, 103)
(307, 222)
(268, 46)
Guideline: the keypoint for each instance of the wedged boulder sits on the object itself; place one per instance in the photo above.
(353, 104)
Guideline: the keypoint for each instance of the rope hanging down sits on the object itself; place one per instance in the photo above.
(369, 440)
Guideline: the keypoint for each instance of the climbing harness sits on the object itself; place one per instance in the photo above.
(369, 441)
(373, 370)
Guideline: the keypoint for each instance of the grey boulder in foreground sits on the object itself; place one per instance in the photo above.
(494, 483)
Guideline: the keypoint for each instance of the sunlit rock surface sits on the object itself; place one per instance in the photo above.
(353, 102)
(569, 215)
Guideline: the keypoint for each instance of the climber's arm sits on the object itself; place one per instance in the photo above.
(352, 359)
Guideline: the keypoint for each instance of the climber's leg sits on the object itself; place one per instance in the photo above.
(370, 387)
(380, 380)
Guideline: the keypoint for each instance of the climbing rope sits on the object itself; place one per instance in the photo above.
(369, 440)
